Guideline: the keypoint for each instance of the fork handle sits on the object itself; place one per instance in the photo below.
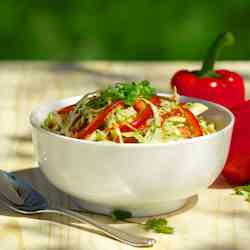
(133, 240)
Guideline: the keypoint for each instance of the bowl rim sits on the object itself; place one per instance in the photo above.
(69, 100)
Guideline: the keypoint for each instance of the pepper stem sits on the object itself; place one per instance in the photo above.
(224, 39)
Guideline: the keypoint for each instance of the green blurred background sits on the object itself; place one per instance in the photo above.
(121, 30)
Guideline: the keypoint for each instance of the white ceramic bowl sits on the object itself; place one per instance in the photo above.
(146, 179)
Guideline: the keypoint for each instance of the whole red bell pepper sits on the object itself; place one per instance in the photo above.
(237, 168)
(220, 86)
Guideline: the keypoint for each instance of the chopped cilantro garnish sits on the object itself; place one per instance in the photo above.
(159, 225)
(120, 215)
(128, 92)
(243, 191)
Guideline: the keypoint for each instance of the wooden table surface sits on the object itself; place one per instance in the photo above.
(213, 220)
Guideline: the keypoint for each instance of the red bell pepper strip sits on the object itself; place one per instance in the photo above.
(98, 121)
(155, 100)
(139, 105)
(237, 168)
(173, 112)
(141, 119)
(192, 122)
(221, 86)
(66, 109)
(130, 140)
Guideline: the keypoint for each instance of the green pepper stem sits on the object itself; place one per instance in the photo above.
(224, 39)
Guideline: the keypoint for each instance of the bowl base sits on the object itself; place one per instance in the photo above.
(153, 209)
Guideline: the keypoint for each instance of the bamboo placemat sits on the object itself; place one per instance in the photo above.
(215, 220)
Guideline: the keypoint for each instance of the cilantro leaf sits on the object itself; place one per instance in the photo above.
(159, 225)
(238, 191)
(243, 191)
(128, 92)
(120, 215)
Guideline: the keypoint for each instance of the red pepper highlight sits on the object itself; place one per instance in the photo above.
(221, 86)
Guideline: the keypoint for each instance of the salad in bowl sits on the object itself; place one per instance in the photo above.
(131, 148)
(130, 113)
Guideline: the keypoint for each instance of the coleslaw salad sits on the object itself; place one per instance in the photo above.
(130, 113)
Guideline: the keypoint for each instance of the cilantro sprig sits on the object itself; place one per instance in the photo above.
(128, 92)
(156, 225)
(159, 225)
(243, 191)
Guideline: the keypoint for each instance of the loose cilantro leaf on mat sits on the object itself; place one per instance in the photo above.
(121, 215)
(159, 225)
(243, 191)
(128, 92)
